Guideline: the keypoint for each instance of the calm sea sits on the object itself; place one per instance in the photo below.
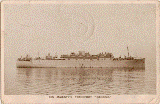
(78, 81)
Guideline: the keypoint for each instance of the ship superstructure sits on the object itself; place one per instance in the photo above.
(81, 59)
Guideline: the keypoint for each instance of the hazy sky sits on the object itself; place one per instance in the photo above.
(94, 28)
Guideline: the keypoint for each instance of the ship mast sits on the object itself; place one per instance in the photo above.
(128, 51)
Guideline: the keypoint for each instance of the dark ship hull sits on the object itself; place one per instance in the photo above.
(85, 63)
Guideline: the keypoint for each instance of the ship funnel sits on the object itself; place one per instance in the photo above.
(82, 53)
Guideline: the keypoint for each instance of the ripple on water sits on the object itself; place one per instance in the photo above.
(79, 82)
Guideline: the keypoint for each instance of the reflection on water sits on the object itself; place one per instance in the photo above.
(78, 81)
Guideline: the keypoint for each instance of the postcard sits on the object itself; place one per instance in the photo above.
(80, 52)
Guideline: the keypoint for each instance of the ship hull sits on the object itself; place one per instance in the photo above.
(136, 63)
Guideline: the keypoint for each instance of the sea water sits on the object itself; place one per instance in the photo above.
(78, 81)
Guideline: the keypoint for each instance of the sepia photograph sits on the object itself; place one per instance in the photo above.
(79, 49)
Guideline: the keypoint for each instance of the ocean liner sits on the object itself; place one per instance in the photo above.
(82, 60)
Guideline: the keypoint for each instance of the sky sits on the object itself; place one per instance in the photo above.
(94, 28)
